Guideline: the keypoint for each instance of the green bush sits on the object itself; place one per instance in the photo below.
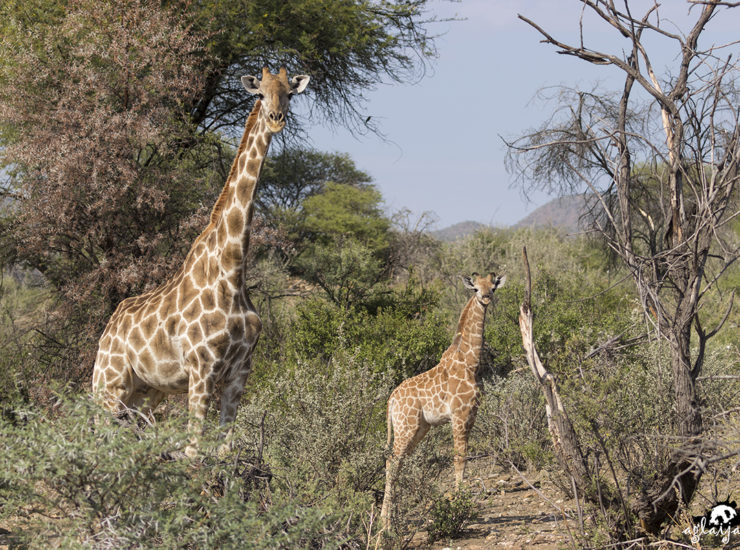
(324, 435)
(511, 423)
(449, 515)
(324, 426)
(68, 483)
(391, 339)
(23, 301)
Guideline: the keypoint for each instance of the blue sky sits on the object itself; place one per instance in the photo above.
(444, 153)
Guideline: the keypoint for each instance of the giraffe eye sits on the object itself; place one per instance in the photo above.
(260, 96)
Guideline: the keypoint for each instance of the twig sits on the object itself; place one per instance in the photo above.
(578, 504)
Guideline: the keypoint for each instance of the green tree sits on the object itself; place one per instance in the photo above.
(344, 210)
(349, 242)
(294, 174)
(291, 177)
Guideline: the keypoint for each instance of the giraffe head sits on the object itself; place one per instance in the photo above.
(484, 287)
(275, 91)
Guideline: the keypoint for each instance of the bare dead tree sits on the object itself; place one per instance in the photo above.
(565, 441)
(663, 188)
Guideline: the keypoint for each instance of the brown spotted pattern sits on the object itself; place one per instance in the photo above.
(199, 328)
(447, 392)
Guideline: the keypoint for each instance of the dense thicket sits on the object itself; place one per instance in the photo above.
(307, 470)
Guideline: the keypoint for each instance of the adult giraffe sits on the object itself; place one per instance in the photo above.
(447, 392)
(199, 327)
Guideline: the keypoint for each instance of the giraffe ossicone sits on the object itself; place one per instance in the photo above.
(199, 328)
(448, 392)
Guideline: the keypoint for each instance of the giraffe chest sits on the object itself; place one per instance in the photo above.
(436, 413)
(442, 394)
(224, 334)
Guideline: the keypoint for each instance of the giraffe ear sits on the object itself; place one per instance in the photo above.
(468, 282)
(298, 83)
(500, 280)
(251, 84)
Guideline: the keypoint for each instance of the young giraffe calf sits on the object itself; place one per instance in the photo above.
(447, 392)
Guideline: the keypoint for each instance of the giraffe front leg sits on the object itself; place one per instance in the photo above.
(460, 431)
(200, 389)
(232, 393)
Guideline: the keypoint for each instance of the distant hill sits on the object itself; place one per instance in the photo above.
(563, 213)
(457, 231)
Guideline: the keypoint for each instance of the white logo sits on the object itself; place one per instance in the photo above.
(722, 520)
(722, 515)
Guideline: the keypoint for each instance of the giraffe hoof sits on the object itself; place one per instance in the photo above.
(169, 456)
(223, 450)
(191, 451)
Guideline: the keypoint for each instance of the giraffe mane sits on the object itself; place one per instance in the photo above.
(458, 332)
(251, 121)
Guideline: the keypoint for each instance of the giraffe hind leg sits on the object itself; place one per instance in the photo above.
(145, 400)
(405, 439)
(113, 389)
(392, 465)
(406, 443)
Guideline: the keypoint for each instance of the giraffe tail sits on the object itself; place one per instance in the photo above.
(389, 427)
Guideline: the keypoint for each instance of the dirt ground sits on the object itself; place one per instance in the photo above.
(526, 510)
(514, 512)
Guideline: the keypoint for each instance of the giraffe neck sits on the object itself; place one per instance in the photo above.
(232, 218)
(470, 332)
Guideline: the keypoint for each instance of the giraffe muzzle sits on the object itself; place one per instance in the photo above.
(276, 121)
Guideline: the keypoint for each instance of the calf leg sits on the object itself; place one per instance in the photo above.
(461, 426)
(408, 431)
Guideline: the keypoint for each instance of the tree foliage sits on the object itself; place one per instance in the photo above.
(104, 198)
(295, 174)
(347, 46)
(349, 241)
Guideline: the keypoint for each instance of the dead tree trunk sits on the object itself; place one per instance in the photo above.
(564, 440)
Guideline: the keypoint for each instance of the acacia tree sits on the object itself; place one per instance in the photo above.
(660, 161)
(103, 199)
(349, 242)
(347, 46)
